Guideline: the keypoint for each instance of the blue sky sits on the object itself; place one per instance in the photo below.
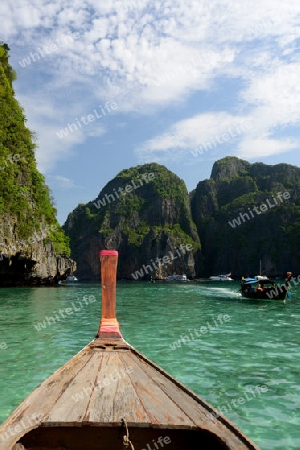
(167, 77)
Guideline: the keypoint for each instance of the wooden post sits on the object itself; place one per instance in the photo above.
(109, 326)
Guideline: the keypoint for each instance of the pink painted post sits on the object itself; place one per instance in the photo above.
(109, 326)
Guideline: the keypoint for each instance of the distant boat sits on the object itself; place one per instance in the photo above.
(176, 277)
(110, 396)
(71, 279)
(263, 288)
(262, 277)
(226, 277)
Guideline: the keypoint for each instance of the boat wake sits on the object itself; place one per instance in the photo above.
(218, 291)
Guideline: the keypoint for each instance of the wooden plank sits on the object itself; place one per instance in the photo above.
(119, 384)
(159, 406)
(197, 412)
(200, 413)
(115, 398)
(70, 409)
(40, 401)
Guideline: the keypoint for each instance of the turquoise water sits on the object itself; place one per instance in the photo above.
(245, 361)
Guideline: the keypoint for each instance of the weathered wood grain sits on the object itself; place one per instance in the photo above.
(80, 388)
(159, 406)
(116, 396)
(119, 383)
(113, 382)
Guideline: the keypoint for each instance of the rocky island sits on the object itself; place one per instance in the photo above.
(242, 215)
(34, 249)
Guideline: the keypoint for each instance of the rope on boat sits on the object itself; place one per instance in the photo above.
(126, 440)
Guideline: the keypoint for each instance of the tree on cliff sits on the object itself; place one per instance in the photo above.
(144, 213)
(26, 208)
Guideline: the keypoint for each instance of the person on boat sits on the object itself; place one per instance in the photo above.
(260, 288)
(288, 277)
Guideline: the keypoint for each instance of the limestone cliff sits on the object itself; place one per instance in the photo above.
(143, 213)
(247, 213)
(33, 247)
(33, 261)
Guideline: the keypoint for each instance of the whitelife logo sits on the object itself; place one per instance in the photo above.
(283, 287)
(113, 377)
(261, 209)
(161, 261)
(128, 188)
(214, 142)
(3, 346)
(68, 311)
(11, 159)
(249, 394)
(48, 49)
(184, 339)
(86, 119)
(25, 423)
(160, 440)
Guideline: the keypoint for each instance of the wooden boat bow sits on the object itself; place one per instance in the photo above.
(109, 396)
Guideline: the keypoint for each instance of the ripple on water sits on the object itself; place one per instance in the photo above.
(257, 346)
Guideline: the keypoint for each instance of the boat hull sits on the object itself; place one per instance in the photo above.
(83, 404)
(110, 396)
(109, 437)
(266, 295)
(222, 277)
(177, 278)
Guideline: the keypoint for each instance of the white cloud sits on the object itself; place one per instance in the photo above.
(64, 182)
(159, 54)
(47, 119)
(277, 93)
(256, 148)
(204, 130)
(51, 149)
(248, 137)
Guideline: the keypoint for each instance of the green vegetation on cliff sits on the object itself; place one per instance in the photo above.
(242, 217)
(24, 197)
(156, 217)
(144, 211)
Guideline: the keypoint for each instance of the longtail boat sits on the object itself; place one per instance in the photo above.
(109, 397)
(263, 288)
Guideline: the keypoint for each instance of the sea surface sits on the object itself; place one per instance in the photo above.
(242, 356)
